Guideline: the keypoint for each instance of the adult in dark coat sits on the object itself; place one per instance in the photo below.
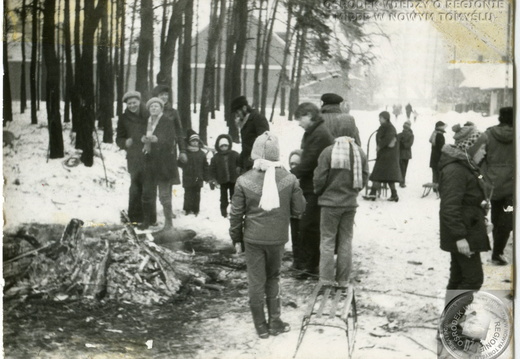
(386, 168)
(251, 124)
(160, 161)
(463, 229)
(337, 121)
(165, 94)
(405, 140)
(437, 140)
(498, 167)
(131, 126)
(408, 110)
(223, 170)
(315, 139)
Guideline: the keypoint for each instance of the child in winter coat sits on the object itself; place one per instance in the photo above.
(405, 140)
(265, 198)
(194, 172)
(223, 170)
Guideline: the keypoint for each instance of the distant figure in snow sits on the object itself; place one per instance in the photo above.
(264, 200)
(224, 170)
(405, 140)
(498, 167)
(408, 110)
(194, 173)
(386, 168)
(336, 120)
(437, 141)
(397, 110)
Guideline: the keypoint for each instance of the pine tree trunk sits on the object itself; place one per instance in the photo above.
(23, 80)
(34, 59)
(258, 57)
(52, 86)
(121, 73)
(145, 49)
(292, 104)
(8, 106)
(131, 41)
(74, 97)
(105, 81)
(69, 77)
(265, 63)
(184, 89)
(195, 70)
(214, 33)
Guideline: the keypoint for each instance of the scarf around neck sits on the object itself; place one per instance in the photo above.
(270, 198)
(340, 158)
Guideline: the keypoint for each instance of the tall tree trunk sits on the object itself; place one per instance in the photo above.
(131, 42)
(235, 47)
(164, 25)
(145, 49)
(74, 97)
(258, 57)
(121, 72)
(39, 74)
(217, 93)
(265, 62)
(34, 60)
(69, 77)
(195, 69)
(282, 78)
(23, 80)
(184, 84)
(7, 98)
(105, 81)
(167, 56)
(214, 34)
(85, 81)
(52, 87)
(292, 100)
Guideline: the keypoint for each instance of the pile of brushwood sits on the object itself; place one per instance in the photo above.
(122, 264)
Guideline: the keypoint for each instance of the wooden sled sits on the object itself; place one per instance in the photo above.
(334, 307)
(427, 188)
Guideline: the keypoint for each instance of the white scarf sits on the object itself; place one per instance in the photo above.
(340, 158)
(270, 198)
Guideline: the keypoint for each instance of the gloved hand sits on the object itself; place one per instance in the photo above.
(129, 142)
(183, 157)
(212, 185)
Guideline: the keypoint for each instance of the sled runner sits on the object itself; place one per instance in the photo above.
(334, 307)
(427, 188)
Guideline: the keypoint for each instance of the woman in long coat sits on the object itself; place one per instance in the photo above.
(386, 168)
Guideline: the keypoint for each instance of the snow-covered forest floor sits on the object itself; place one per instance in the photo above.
(400, 273)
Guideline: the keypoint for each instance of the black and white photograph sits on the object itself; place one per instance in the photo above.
(259, 179)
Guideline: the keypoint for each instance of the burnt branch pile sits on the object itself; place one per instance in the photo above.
(122, 264)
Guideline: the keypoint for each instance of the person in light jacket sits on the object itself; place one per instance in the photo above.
(265, 198)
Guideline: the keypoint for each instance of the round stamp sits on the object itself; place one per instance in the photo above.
(476, 325)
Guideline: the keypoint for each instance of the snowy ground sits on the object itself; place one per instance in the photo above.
(400, 272)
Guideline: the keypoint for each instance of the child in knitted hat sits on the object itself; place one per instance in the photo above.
(194, 172)
(223, 169)
(265, 198)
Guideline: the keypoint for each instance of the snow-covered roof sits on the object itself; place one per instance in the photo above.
(486, 76)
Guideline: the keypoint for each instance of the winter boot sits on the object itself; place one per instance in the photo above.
(394, 197)
(276, 325)
(259, 321)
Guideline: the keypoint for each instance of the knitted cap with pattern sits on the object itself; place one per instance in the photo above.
(266, 146)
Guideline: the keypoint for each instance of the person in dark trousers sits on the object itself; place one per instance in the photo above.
(223, 169)
(408, 109)
(251, 124)
(437, 141)
(165, 94)
(335, 119)
(386, 168)
(295, 158)
(264, 200)
(131, 126)
(405, 140)
(498, 167)
(315, 139)
(464, 193)
(194, 173)
(341, 173)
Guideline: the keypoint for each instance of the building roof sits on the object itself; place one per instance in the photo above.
(486, 76)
